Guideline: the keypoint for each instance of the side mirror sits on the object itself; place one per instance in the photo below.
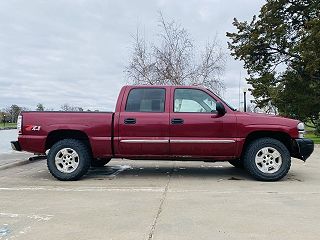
(220, 108)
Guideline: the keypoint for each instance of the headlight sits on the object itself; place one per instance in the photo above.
(300, 128)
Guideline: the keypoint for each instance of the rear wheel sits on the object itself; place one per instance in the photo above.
(69, 159)
(267, 159)
(100, 162)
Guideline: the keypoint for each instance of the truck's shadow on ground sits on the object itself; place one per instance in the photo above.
(214, 172)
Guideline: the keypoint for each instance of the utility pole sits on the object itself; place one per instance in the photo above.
(245, 99)
(239, 91)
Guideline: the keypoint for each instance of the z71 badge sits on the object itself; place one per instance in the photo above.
(32, 128)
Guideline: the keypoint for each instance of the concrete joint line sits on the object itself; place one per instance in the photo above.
(163, 198)
(20, 163)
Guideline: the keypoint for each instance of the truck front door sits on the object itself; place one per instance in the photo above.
(196, 128)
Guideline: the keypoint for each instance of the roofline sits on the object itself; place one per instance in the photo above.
(171, 86)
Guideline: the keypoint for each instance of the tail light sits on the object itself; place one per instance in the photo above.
(19, 124)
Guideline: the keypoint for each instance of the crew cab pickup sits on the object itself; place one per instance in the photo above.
(164, 122)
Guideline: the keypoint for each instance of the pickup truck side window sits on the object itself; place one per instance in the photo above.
(146, 100)
(193, 100)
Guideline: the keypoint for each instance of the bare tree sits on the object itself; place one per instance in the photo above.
(40, 107)
(252, 108)
(68, 108)
(173, 61)
(13, 112)
(269, 109)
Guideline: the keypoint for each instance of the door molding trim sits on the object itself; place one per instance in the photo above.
(202, 141)
(144, 141)
(177, 141)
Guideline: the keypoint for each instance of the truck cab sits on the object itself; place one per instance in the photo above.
(174, 122)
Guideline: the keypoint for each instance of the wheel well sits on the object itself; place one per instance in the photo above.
(281, 136)
(59, 135)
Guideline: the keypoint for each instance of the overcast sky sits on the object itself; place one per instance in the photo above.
(75, 52)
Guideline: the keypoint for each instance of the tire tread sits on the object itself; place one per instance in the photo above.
(252, 149)
(84, 155)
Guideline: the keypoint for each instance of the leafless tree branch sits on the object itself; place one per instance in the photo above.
(174, 61)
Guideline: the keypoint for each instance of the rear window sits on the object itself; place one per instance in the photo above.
(146, 100)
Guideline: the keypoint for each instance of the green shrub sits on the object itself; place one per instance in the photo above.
(317, 127)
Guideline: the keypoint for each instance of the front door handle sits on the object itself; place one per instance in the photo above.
(130, 121)
(177, 121)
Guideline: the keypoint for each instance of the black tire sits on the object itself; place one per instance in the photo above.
(83, 159)
(238, 163)
(100, 162)
(273, 147)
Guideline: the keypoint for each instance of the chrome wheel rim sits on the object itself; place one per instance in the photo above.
(268, 160)
(67, 160)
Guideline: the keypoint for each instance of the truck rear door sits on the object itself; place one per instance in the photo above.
(144, 122)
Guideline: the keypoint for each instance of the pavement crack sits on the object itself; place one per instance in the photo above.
(163, 198)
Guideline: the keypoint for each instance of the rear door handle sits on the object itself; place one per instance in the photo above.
(177, 121)
(130, 121)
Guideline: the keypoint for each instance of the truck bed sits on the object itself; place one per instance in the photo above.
(40, 127)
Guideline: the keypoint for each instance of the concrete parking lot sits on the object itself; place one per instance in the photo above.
(159, 200)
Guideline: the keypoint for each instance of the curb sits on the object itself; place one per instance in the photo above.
(8, 128)
(21, 163)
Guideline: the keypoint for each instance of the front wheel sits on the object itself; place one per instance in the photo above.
(267, 159)
(69, 159)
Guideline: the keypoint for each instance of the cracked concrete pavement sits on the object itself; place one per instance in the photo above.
(160, 200)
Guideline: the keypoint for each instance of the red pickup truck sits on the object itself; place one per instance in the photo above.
(164, 122)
